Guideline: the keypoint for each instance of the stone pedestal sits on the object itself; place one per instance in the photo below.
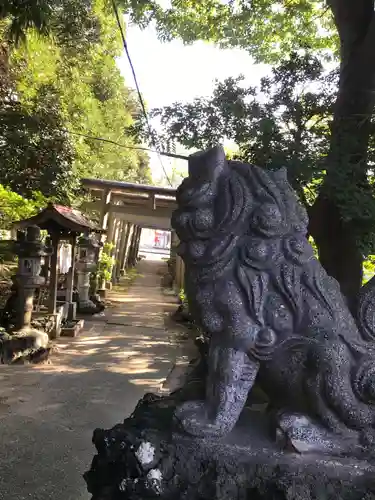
(83, 285)
(143, 458)
(26, 340)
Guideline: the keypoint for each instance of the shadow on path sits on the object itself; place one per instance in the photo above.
(48, 412)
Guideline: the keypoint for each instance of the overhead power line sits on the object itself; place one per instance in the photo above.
(137, 87)
(138, 148)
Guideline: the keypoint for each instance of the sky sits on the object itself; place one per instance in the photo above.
(170, 72)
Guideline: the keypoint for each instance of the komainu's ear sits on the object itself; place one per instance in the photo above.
(206, 166)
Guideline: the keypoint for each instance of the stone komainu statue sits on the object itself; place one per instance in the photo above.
(273, 315)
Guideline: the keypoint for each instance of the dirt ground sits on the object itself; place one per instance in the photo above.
(48, 412)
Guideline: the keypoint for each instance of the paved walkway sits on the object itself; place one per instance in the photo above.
(48, 412)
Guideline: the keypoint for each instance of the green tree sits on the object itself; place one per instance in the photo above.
(283, 121)
(14, 207)
(61, 93)
(343, 213)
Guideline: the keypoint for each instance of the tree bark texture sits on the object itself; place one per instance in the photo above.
(347, 159)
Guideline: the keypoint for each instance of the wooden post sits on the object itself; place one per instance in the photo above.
(137, 233)
(128, 245)
(115, 249)
(124, 244)
(174, 244)
(121, 248)
(138, 241)
(133, 246)
(53, 275)
(70, 283)
(106, 199)
(111, 225)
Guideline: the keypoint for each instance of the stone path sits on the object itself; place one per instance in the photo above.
(48, 412)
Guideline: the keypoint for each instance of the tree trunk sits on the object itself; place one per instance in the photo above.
(347, 160)
(338, 250)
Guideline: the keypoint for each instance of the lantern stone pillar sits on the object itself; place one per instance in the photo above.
(30, 249)
(86, 264)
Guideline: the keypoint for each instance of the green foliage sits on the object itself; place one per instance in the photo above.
(284, 121)
(368, 268)
(106, 262)
(58, 88)
(182, 296)
(267, 29)
(14, 207)
(71, 21)
(35, 153)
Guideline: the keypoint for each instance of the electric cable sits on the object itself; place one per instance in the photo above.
(151, 135)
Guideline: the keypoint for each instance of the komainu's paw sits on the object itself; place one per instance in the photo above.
(193, 418)
(300, 434)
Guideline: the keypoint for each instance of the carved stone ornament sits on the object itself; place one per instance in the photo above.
(273, 315)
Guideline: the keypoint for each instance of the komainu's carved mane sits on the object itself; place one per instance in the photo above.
(254, 284)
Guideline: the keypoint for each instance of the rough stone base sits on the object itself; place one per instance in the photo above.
(143, 458)
(29, 345)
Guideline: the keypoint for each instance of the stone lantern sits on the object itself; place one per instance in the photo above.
(30, 250)
(87, 256)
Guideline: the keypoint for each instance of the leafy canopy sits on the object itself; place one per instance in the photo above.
(58, 88)
(14, 207)
(266, 28)
(283, 121)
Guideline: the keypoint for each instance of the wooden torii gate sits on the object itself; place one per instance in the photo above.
(123, 209)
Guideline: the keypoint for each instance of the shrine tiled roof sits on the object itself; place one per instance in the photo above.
(65, 219)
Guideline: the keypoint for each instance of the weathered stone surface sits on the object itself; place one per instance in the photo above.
(278, 333)
(27, 345)
(273, 315)
(143, 458)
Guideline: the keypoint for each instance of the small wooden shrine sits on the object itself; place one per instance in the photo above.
(62, 224)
